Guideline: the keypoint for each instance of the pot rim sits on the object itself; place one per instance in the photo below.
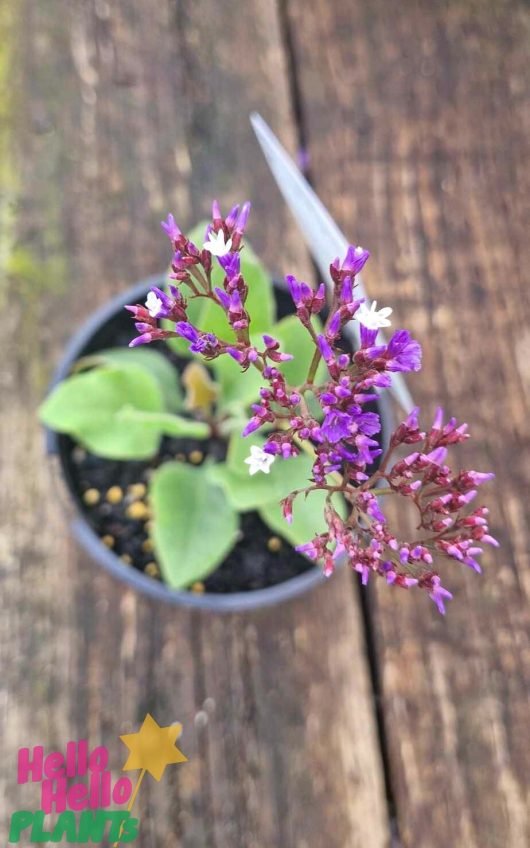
(103, 556)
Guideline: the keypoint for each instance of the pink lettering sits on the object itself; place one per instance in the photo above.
(122, 791)
(51, 795)
(54, 765)
(27, 766)
(78, 797)
(98, 759)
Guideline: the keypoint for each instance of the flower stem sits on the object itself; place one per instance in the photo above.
(317, 356)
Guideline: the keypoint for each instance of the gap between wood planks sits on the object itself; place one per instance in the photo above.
(367, 616)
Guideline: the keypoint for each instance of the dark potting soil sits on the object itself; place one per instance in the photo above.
(112, 495)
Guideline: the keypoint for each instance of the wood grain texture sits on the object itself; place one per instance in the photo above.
(121, 111)
(417, 126)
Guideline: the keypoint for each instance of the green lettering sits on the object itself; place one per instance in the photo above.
(19, 821)
(115, 817)
(37, 832)
(65, 827)
(92, 826)
(130, 829)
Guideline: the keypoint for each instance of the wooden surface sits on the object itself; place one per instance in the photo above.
(417, 127)
(418, 130)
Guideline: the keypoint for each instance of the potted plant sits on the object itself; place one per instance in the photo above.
(219, 468)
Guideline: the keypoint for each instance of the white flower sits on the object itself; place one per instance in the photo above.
(371, 318)
(259, 460)
(154, 305)
(216, 244)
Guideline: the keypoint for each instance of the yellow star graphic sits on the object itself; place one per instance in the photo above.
(153, 747)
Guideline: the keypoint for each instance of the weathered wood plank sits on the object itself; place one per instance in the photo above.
(124, 110)
(417, 125)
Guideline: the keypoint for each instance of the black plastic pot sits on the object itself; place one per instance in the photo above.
(91, 337)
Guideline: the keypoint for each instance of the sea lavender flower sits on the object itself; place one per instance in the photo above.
(438, 594)
(259, 460)
(171, 228)
(216, 244)
(341, 439)
(307, 301)
(372, 318)
(205, 343)
(354, 261)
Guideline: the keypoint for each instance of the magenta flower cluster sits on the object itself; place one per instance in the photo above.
(341, 437)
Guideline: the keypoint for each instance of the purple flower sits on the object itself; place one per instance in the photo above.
(235, 354)
(334, 325)
(403, 352)
(480, 477)
(325, 349)
(368, 337)
(368, 449)
(355, 259)
(145, 338)
(411, 422)
(217, 218)
(187, 331)
(240, 224)
(242, 218)
(231, 264)
(336, 426)
(342, 436)
(200, 342)
(309, 549)
(171, 228)
(301, 293)
(346, 294)
(436, 456)
(439, 595)
(235, 304)
(368, 422)
(223, 298)
(231, 218)
(254, 424)
(368, 503)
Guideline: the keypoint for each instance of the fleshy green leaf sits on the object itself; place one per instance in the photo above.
(308, 517)
(246, 492)
(87, 406)
(194, 526)
(152, 361)
(236, 389)
(295, 339)
(260, 302)
(165, 423)
(210, 317)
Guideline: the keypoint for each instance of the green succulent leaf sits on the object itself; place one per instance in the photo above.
(89, 406)
(210, 317)
(308, 517)
(296, 340)
(260, 303)
(164, 423)
(194, 526)
(247, 492)
(236, 389)
(152, 361)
